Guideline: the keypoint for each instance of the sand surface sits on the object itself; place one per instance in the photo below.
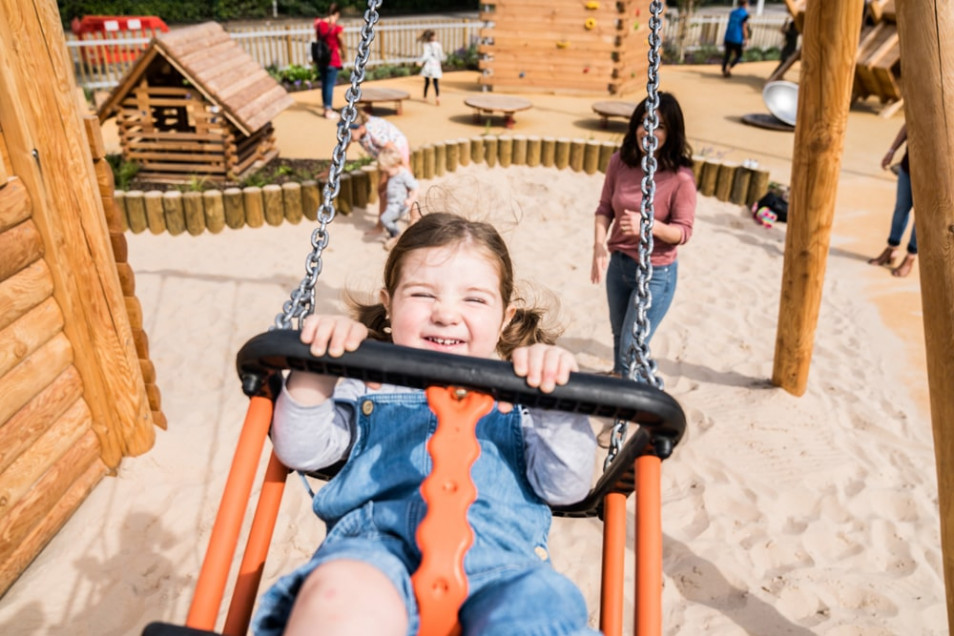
(782, 515)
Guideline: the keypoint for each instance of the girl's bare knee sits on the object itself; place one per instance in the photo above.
(348, 597)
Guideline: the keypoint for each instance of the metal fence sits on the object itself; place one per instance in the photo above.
(709, 30)
(101, 61)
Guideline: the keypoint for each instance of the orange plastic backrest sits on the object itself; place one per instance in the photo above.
(444, 535)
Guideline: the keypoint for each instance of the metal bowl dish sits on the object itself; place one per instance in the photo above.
(782, 100)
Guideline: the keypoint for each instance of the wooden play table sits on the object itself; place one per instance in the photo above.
(613, 108)
(370, 96)
(488, 103)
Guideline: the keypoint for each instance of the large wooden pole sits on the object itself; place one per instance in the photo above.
(829, 47)
(927, 65)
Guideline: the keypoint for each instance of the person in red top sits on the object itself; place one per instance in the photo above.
(330, 31)
(617, 223)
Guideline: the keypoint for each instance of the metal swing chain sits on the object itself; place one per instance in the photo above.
(640, 359)
(302, 301)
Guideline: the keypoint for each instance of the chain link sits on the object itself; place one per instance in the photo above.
(640, 360)
(302, 301)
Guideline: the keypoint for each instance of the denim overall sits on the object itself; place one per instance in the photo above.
(373, 506)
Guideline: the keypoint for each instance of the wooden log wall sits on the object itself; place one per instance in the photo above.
(73, 397)
(115, 223)
(254, 206)
(595, 47)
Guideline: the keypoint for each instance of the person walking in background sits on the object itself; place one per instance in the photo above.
(904, 202)
(430, 63)
(790, 32)
(618, 223)
(328, 31)
(737, 35)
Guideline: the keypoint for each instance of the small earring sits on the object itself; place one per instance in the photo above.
(386, 330)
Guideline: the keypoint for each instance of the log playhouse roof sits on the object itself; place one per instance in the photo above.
(218, 67)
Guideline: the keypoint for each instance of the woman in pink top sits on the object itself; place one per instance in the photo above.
(617, 225)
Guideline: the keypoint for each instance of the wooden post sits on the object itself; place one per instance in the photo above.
(534, 148)
(519, 150)
(453, 154)
(561, 153)
(490, 151)
(591, 156)
(136, 211)
(427, 165)
(548, 152)
(273, 205)
(505, 151)
(477, 149)
(724, 179)
(254, 206)
(154, 214)
(577, 148)
(708, 178)
(829, 47)
(740, 186)
(311, 199)
(758, 186)
(234, 204)
(194, 213)
(173, 213)
(924, 28)
(214, 206)
(607, 148)
(440, 159)
(464, 154)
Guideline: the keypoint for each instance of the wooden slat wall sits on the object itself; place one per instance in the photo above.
(537, 45)
(73, 397)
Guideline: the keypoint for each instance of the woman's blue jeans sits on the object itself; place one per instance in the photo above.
(329, 77)
(621, 294)
(903, 203)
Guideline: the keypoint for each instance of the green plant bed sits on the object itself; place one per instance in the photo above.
(276, 172)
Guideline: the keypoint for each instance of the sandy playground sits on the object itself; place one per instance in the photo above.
(781, 515)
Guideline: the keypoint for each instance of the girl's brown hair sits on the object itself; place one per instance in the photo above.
(441, 229)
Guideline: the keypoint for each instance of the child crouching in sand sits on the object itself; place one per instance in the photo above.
(402, 190)
(448, 286)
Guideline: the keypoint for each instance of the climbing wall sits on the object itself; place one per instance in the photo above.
(579, 46)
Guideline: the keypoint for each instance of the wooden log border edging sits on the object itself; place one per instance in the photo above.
(255, 206)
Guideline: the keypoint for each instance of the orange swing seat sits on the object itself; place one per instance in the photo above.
(460, 390)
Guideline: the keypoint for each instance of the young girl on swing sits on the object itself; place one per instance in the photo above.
(448, 286)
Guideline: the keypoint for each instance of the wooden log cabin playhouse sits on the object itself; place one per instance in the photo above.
(196, 105)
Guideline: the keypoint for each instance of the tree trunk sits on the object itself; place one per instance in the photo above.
(686, 10)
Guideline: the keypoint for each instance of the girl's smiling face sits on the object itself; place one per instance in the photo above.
(448, 299)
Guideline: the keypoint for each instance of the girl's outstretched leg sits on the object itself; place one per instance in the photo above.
(348, 597)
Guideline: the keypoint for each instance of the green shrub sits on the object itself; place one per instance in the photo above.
(123, 171)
